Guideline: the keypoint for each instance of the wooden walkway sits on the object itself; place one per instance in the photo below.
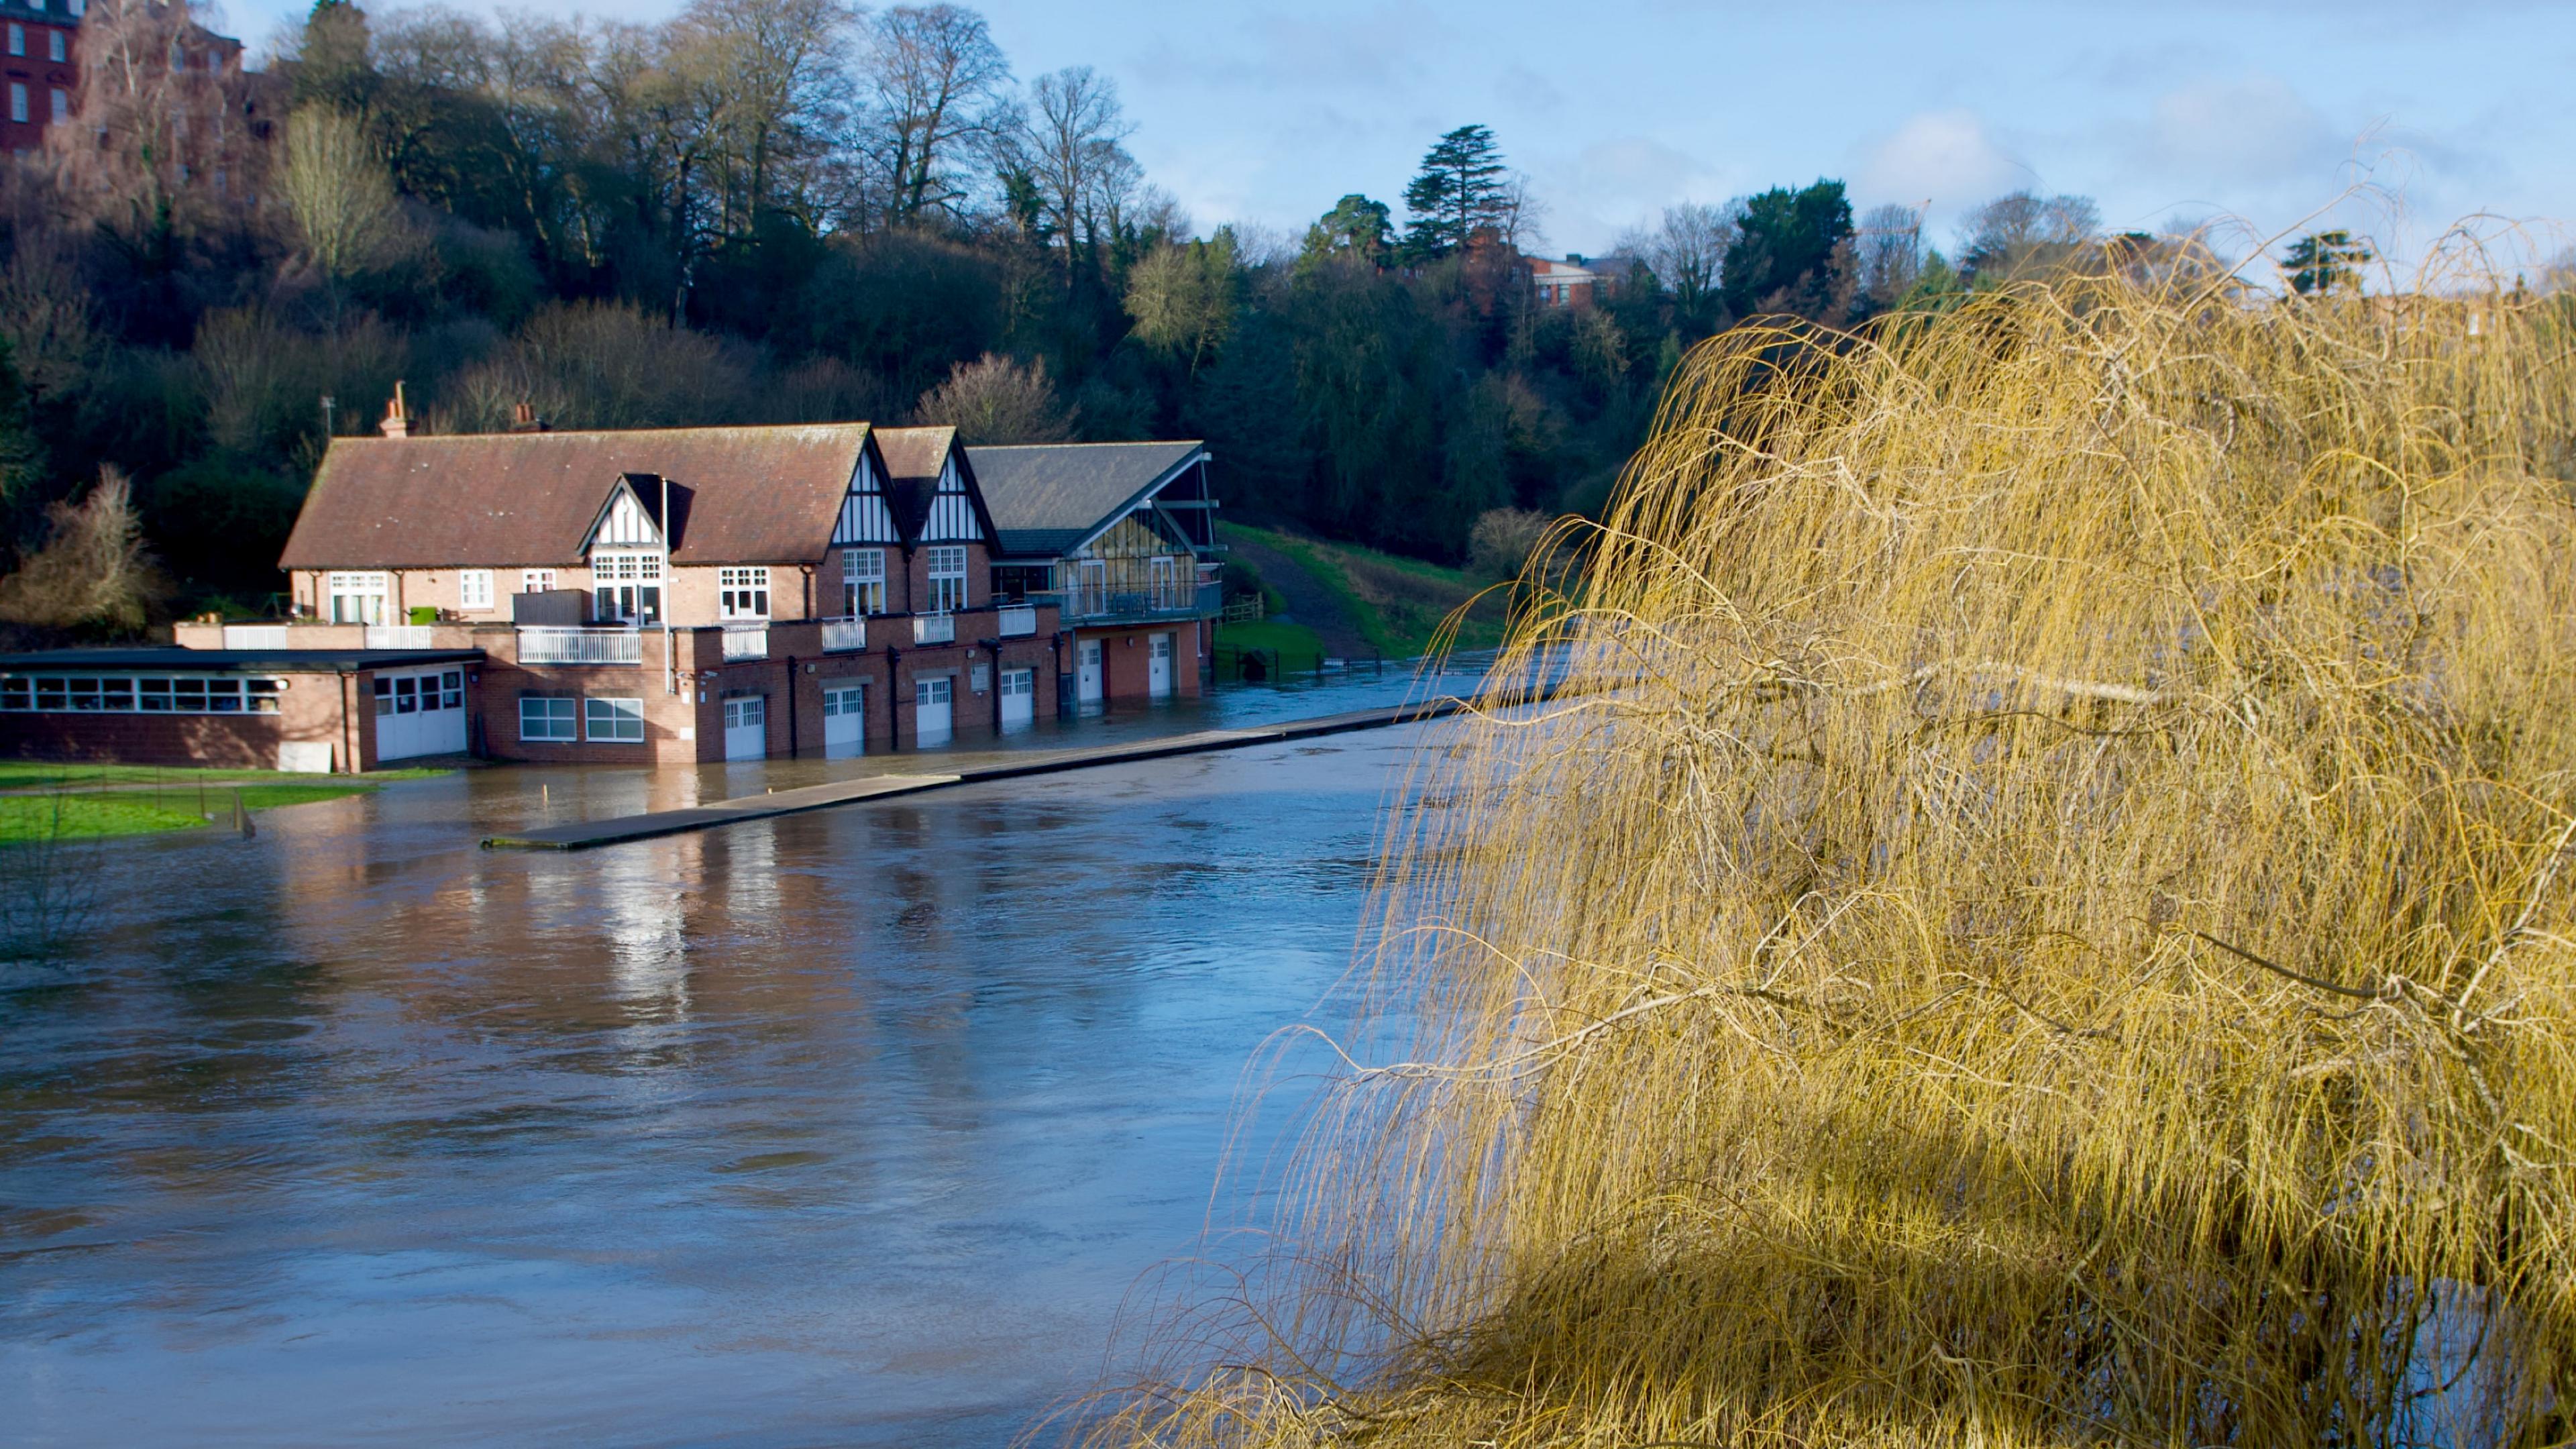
(582, 835)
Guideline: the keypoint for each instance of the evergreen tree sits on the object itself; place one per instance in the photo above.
(2327, 261)
(1461, 188)
(1784, 253)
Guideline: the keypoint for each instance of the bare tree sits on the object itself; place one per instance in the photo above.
(1687, 254)
(2024, 233)
(1890, 242)
(934, 80)
(996, 400)
(338, 194)
(93, 571)
(1071, 143)
(161, 149)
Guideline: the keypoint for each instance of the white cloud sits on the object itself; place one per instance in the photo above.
(2251, 129)
(1947, 155)
(1608, 186)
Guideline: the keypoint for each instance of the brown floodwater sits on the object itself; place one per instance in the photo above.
(850, 1127)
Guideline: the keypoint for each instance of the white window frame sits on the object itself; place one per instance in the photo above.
(360, 586)
(556, 726)
(948, 592)
(863, 582)
(612, 719)
(474, 588)
(17, 38)
(17, 100)
(62, 100)
(536, 581)
(626, 586)
(742, 593)
(138, 694)
(55, 48)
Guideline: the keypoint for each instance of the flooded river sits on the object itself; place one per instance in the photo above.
(848, 1127)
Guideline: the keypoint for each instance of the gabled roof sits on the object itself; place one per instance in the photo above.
(738, 495)
(1047, 498)
(913, 458)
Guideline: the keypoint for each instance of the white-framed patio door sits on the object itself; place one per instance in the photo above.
(845, 721)
(420, 712)
(746, 728)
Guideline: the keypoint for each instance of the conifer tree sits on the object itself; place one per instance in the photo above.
(1461, 188)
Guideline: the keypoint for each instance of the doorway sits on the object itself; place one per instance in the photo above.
(1089, 685)
(746, 728)
(1158, 668)
(933, 713)
(1019, 698)
(845, 721)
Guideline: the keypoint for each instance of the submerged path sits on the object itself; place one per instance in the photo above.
(582, 835)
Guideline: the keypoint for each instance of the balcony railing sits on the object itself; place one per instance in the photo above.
(844, 636)
(1154, 601)
(1016, 621)
(934, 628)
(580, 646)
(398, 636)
(746, 641)
(255, 636)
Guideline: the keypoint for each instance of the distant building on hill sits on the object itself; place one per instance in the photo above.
(41, 64)
(1577, 281)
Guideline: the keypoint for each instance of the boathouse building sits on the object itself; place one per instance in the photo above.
(670, 596)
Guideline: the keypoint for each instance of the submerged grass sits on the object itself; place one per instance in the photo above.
(2052, 922)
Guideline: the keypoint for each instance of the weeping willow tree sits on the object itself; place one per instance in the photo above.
(2044, 916)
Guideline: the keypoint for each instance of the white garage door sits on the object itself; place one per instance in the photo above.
(845, 721)
(420, 712)
(933, 719)
(746, 727)
(1019, 697)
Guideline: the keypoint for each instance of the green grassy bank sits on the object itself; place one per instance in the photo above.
(1397, 603)
(43, 801)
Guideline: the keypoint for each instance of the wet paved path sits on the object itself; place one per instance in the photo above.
(582, 835)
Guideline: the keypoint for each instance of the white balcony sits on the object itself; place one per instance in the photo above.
(255, 636)
(934, 628)
(746, 641)
(398, 636)
(1016, 623)
(580, 646)
(844, 636)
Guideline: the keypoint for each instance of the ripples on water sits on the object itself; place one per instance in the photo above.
(845, 1127)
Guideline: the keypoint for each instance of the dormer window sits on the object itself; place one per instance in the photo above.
(626, 587)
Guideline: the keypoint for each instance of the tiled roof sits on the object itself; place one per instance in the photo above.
(738, 495)
(1049, 497)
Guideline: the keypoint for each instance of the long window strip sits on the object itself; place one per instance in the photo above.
(132, 694)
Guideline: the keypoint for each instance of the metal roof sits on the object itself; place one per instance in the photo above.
(175, 660)
(1046, 498)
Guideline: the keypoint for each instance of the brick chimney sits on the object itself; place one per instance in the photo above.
(397, 423)
(524, 419)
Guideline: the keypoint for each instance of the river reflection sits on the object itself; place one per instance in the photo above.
(853, 1126)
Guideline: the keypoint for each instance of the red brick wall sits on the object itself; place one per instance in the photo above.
(42, 76)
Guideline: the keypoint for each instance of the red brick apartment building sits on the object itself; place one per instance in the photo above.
(40, 64)
(670, 596)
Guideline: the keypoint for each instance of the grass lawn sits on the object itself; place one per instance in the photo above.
(171, 805)
(1397, 602)
(1293, 642)
(46, 774)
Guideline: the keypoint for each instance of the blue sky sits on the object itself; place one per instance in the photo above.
(1266, 113)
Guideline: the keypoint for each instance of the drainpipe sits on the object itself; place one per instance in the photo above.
(994, 648)
(894, 715)
(791, 706)
(1055, 642)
